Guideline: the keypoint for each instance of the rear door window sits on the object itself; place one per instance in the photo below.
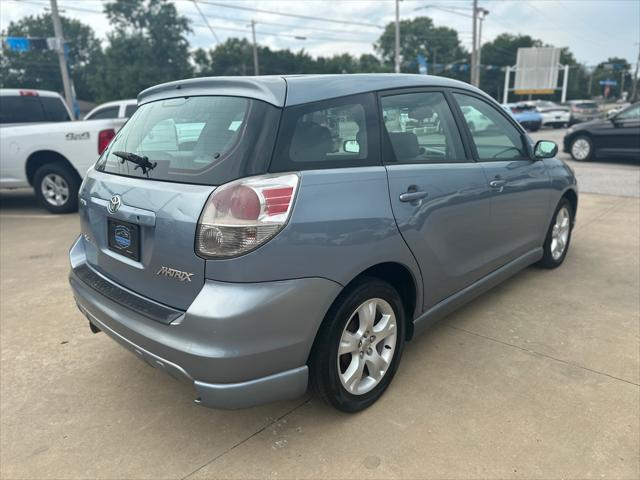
(54, 109)
(21, 109)
(130, 110)
(208, 140)
(494, 136)
(336, 133)
(421, 129)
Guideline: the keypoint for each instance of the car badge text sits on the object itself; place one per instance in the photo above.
(114, 204)
(173, 273)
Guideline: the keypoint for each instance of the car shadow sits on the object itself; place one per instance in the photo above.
(20, 201)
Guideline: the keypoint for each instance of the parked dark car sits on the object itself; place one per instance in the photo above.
(615, 137)
(583, 111)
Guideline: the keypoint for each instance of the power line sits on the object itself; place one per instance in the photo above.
(276, 24)
(292, 15)
(195, 2)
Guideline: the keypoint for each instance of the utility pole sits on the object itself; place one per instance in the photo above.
(634, 95)
(397, 69)
(256, 67)
(434, 51)
(483, 13)
(62, 60)
(474, 43)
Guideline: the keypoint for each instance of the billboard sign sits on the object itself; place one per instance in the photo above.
(537, 70)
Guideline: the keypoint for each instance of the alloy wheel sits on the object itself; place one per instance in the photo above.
(367, 345)
(55, 189)
(560, 233)
(580, 149)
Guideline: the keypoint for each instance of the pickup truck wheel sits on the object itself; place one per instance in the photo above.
(56, 186)
(359, 346)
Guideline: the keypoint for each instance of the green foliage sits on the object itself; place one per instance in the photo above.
(148, 46)
(40, 69)
(235, 57)
(502, 51)
(419, 35)
(614, 68)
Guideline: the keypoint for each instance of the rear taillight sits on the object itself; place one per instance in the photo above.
(104, 137)
(244, 214)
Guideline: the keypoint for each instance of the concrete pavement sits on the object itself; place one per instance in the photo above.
(537, 379)
(611, 177)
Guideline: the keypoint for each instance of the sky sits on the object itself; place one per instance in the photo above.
(593, 29)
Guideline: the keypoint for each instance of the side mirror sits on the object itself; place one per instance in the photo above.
(545, 149)
(351, 146)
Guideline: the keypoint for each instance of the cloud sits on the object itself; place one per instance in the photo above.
(592, 29)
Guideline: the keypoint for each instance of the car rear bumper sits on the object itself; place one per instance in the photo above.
(238, 344)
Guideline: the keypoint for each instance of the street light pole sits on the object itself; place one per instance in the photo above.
(397, 57)
(474, 43)
(256, 67)
(634, 93)
(483, 13)
(62, 60)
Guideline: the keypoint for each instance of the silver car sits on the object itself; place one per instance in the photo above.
(257, 236)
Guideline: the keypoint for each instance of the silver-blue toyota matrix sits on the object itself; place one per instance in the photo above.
(257, 236)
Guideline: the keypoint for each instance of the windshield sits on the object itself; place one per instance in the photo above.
(191, 139)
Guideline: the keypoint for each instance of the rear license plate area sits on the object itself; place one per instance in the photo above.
(124, 238)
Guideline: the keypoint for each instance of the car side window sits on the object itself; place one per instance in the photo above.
(420, 129)
(494, 136)
(105, 113)
(631, 113)
(329, 134)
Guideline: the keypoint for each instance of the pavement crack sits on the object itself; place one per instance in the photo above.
(542, 355)
(244, 440)
(606, 211)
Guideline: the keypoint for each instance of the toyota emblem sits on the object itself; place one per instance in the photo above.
(114, 204)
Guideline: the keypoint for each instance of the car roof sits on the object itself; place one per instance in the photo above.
(288, 90)
(15, 92)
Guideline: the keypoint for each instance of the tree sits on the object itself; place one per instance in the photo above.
(235, 57)
(148, 46)
(615, 68)
(501, 52)
(420, 36)
(39, 68)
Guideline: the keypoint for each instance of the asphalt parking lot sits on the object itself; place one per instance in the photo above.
(539, 378)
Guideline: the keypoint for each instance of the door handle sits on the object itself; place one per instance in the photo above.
(498, 183)
(412, 196)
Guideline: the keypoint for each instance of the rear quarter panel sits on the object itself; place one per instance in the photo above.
(341, 225)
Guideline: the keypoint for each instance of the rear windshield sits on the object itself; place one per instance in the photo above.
(586, 105)
(31, 109)
(205, 140)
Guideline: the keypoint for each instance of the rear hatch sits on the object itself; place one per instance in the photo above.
(139, 224)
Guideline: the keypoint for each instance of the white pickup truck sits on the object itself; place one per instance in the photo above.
(42, 148)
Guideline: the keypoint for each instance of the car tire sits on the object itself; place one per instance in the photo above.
(345, 380)
(581, 148)
(56, 186)
(556, 243)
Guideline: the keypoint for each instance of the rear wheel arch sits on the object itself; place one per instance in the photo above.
(43, 157)
(399, 277)
(572, 197)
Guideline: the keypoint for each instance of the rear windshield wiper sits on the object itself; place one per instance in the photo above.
(142, 163)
